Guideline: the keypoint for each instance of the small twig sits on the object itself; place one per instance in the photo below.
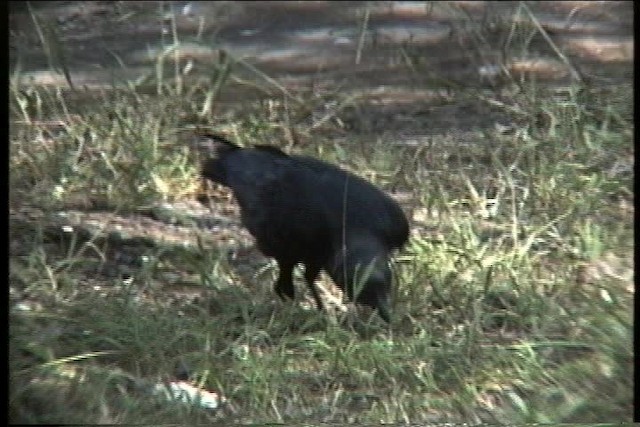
(574, 72)
(363, 33)
(268, 78)
(334, 111)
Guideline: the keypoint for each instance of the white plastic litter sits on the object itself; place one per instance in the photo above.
(182, 391)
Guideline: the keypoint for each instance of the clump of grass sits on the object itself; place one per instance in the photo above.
(518, 274)
(122, 155)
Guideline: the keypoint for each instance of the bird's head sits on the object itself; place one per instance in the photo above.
(362, 270)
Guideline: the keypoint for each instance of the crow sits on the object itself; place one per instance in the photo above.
(301, 210)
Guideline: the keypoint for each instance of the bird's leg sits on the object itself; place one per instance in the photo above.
(310, 275)
(284, 284)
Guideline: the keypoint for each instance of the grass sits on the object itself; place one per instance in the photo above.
(514, 295)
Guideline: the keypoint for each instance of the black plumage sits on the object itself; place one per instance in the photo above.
(303, 210)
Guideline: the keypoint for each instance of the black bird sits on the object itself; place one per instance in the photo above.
(303, 210)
